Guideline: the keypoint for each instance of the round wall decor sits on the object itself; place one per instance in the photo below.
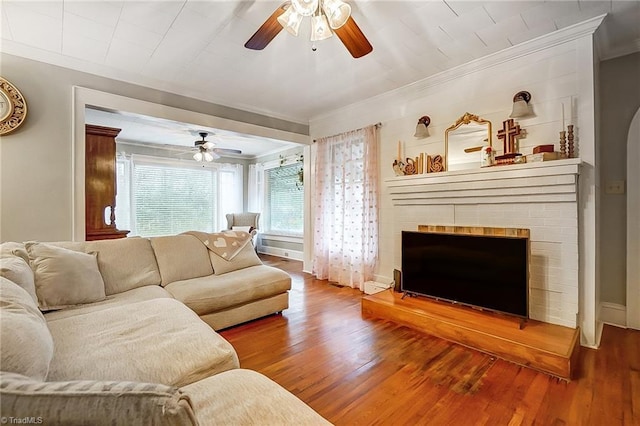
(13, 107)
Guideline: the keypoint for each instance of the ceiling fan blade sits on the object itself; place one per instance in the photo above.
(354, 39)
(226, 151)
(267, 31)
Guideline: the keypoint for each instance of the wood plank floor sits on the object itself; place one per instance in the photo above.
(360, 372)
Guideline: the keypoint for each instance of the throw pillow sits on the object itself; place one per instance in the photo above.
(15, 269)
(27, 345)
(64, 277)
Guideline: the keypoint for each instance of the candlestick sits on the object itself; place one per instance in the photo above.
(570, 138)
(563, 144)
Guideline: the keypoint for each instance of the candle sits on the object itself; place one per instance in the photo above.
(399, 151)
(562, 107)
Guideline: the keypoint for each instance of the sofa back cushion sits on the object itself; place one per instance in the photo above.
(88, 402)
(126, 263)
(64, 277)
(181, 257)
(27, 345)
(16, 269)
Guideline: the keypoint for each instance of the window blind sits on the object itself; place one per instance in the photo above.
(284, 200)
(168, 200)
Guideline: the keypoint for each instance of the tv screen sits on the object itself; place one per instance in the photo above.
(489, 272)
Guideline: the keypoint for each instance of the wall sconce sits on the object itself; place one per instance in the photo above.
(421, 128)
(521, 107)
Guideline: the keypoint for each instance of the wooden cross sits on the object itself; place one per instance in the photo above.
(509, 134)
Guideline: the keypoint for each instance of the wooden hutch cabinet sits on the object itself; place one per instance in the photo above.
(100, 183)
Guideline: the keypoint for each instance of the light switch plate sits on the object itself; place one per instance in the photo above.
(614, 187)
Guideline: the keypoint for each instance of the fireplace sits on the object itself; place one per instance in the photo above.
(541, 197)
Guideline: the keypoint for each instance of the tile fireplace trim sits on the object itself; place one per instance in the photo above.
(544, 182)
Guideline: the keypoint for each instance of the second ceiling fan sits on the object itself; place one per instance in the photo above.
(327, 17)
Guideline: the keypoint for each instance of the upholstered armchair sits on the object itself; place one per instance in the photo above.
(244, 222)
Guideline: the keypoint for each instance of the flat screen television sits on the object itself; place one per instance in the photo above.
(488, 272)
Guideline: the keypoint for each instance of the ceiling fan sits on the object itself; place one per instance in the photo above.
(206, 151)
(328, 17)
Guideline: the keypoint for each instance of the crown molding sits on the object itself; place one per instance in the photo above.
(417, 89)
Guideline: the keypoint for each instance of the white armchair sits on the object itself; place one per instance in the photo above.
(245, 222)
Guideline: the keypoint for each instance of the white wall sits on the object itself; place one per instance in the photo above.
(36, 161)
(556, 69)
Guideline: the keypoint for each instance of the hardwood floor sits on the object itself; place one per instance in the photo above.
(360, 372)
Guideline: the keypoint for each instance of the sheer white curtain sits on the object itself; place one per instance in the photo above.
(346, 207)
(255, 190)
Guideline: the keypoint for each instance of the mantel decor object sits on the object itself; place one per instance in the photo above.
(509, 135)
(563, 144)
(488, 157)
(435, 164)
(464, 140)
(570, 145)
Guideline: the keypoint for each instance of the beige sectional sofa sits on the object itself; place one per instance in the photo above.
(122, 332)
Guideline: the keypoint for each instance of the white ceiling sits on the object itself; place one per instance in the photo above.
(195, 48)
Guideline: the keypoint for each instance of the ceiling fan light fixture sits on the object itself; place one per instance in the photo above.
(208, 157)
(337, 11)
(290, 21)
(208, 145)
(305, 7)
(197, 156)
(320, 28)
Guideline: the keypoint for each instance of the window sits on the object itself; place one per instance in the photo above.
(284, 200)
(167, 197)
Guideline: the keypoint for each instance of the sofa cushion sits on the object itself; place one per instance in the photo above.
(245, 397)
(181, 257)
(64, 277)
(16, 269)
(11, 248)
(214, 293)
(126, 263)
(139, 294)
(88, 402)
(159, 341)
(245, 258)
(27, 345)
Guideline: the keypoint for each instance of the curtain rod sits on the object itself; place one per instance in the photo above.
(378, 125)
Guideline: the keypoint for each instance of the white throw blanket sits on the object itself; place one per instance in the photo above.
(226, 244)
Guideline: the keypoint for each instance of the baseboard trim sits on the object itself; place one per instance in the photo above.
(613, 314)
(287, 254)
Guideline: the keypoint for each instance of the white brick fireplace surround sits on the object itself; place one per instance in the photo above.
(542, 197)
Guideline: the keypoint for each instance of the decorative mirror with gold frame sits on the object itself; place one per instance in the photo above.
(13, 107)
(464, 140)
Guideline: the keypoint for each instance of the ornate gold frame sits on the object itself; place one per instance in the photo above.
(18, 108)
(465, 119)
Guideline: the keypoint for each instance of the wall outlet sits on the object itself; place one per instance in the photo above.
(614, 187)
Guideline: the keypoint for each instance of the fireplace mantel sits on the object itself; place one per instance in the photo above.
(543, 182)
